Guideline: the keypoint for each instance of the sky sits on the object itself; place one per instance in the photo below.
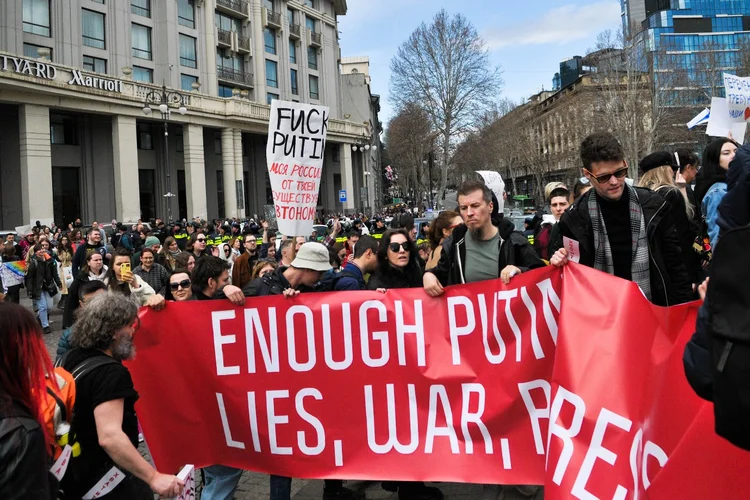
(526, 43)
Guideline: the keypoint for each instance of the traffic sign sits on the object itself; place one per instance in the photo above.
(342, 195)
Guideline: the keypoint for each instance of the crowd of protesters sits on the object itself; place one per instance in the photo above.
(658, 234)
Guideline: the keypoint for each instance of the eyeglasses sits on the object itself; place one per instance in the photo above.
(396, 246)
(249, 241)
(185, 284)
(604, 178)
(201, 240)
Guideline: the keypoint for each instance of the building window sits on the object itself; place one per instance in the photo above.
(180, 140)
(336, 153)
(63, 130)
(143, 74)
(187, 51)
(270, 97)
(272, 77)
(292, 52)
(310, 23)
(293, 78)
(290, 16)
(217, 148)
(186, 13)
(141, 7)
(310, 3)
(226, 23)
(268, 4)
(220, 192)
(225, 91)
(32, 51)
(314, 94)
(225, 61)
(98, 1)
(312, 58)
(36, 17)
(95, 64)
(269, 36)
(93, 29)
(187, 81)
(145, 136)
(141, 36)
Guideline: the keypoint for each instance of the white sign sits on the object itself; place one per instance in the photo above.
(496, 183)
(294, 152)
(187, 475)
(573, 248)
(738, 97)
(719, 123)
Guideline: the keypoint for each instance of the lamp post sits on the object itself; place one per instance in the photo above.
(165, 100)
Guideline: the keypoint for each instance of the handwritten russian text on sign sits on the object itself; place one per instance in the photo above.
(738, 97)
(496, 184)
(570, 368)
(295, 152)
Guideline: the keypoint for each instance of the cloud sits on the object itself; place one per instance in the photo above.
(558, 26)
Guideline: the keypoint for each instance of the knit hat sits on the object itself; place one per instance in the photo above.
(151, 241)
(656, 160)
(312, 256)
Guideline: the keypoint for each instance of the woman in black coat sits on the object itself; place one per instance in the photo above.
(397, 262)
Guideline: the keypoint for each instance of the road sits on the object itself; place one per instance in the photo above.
(254, 486)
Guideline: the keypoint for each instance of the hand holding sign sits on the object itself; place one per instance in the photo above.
(573, 249)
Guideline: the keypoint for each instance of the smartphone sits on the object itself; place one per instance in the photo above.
(125, 267)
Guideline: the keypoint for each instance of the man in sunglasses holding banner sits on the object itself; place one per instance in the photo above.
(622, 230)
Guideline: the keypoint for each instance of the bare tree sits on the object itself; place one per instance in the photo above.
(445, 67)
(409, 138)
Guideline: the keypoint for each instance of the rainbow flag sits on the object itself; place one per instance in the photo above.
(12, 273)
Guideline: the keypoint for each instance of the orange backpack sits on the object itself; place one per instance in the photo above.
(57, 408)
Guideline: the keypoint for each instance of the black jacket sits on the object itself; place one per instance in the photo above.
(83, 251)
(389, 277)
(734, 209)
(271, 284)
(42, 276)
(25, 472)
(685, 232)
(514, 250)
(669, 280)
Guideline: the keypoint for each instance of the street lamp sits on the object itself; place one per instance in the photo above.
(165, 100)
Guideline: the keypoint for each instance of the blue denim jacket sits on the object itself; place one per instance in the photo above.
(710, 208)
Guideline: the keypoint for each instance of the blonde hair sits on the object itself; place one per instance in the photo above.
(663, 178)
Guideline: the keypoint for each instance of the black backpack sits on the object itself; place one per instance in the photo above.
(728, 300)
(329, 280)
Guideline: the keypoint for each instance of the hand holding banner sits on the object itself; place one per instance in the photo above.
(295, 152)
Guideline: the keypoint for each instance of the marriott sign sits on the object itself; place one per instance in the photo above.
(41, 69)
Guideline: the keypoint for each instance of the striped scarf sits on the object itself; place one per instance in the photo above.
(603, 251)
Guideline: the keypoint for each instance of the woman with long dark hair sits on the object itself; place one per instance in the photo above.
(440, 230)
(168, 253)
(24, 364)
(711, 182)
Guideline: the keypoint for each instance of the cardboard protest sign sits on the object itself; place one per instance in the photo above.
(295, 152)
(496, 184)
(738, 97)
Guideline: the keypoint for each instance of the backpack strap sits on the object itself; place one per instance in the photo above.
(89, 365)
(59, 403)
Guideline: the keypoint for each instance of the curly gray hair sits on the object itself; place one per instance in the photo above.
(99, 319)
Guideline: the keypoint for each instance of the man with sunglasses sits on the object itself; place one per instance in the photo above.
(623, 230)
(243, 266)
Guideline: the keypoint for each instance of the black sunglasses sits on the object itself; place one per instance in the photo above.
(200, 239)
(395, 246)
(185, 284)
(602, 179)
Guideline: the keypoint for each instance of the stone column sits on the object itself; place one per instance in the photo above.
(239, 169)
(347, 177)
(227, 166)
(125, 159)
(36, 164)
(195, 171)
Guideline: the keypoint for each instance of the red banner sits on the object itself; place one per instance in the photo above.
(460, 388)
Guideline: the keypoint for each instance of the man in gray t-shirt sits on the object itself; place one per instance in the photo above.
(482, 258)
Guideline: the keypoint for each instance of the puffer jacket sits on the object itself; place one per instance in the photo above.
(669, 279)
(24, 474)
(42, 276)
(514, 250)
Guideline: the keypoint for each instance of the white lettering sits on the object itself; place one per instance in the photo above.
(438, 393)
(51, 72)
(304, 415)
(347, 334)
(507, 296)
(291, 339)
(274, 420)
(536, 414)
(225, 424)
(253, 420)
(219, 340)
(380, 336)
(538, 351)
(474, 417)
(597, 450)
(459, 331)
(392, 442)
(402, 329)
(565, 435)
(651, 450)
(41, 70)
(549, 296)
(17, 64)
(253, 327)
(493, 358)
